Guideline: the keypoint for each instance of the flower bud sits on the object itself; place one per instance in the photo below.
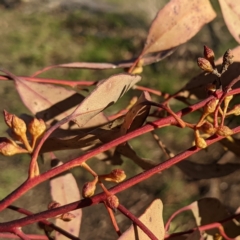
(36, 127)
(8, 118)
(227, 99)
(208, 128)
(235, 110)
(9, 148)
(211, 106)
(112, 202)
(200, 142)
(209, 55)
(116, 175)
(205, 65)
(228, 57)
(227, 60)
(88, 189)
(224, 131)
(18, 126)
(67, 217)
(53, 204)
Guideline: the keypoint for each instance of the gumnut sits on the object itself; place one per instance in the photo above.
(9, 148)
(200, 142)
(227, 60)
(88, 189)
(235, 110)
(224, 131)
(112, 202)
(18, 126)
(209, 55)
(211, 106)
(227, 99)
(36, 127)
(228, 57)
(205, 65)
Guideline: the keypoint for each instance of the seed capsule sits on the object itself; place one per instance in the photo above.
(88, 189)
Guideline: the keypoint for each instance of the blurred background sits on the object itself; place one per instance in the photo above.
(35, 34)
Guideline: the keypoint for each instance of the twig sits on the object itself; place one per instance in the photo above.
(113, 219)
(45, 222)
(20, 234)
(53, 81)
(129, 215)
(202, 228)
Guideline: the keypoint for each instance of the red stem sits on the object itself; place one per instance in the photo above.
(202, 228)
(52, 81)
(78, 161)
(153, 91)
(45, 222)
(99, 197)
(167, 225)
(136, 221)
(113, 219)
(20, 234)
(31, 236)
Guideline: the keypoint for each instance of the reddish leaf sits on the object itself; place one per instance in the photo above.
(152, 218)
(231, 15)
(176, 23)
(64, 190)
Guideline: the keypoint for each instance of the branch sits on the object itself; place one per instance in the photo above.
(99, 197)
(31, 236)
(45, 222)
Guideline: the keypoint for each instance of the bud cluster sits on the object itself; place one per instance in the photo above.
(19, 131)
(207, 62)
